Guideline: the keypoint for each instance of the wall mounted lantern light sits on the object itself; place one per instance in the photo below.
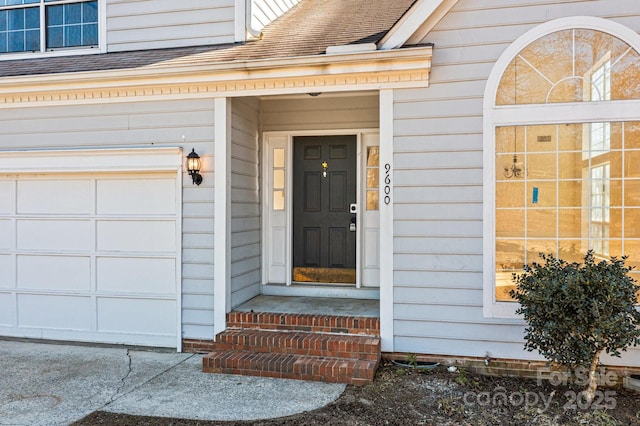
(193, 166)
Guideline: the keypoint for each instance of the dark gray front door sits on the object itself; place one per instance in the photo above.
(324, 187)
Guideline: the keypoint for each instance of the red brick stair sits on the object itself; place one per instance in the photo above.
(297, 346)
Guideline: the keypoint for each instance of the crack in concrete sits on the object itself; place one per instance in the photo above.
(123, 379)
(117, 394)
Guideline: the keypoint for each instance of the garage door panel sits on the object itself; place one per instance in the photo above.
(142, 197)
(136, 275)
(7, 200)
(137, 236)
(54, 235)
(5, 234)
(54, 311)
(144, 316)
(54, 196)
(6, 271)
(90, 256)
(7, 309)
(63, 273)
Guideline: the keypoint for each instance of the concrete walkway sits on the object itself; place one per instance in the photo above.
(51, 384)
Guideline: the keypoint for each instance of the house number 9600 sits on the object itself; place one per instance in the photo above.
(387, 183)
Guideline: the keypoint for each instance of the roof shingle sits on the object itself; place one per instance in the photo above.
(307, 29)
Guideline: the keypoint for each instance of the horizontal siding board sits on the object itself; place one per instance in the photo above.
(198, 301)
(439, 108)
(196, 255)
(432, 245)
(439, 125)
(439, 194)
(197, 224)
(459, 229)
(460, 330)
(439, 211)
(438, 159)
(195, 270)
(439, 262)
(197, 316)
(442, 296)
(463, 347)
(438, 176)
(197, 286)
(441, 279)
(197, 209)
(444, 142)
(197, 331)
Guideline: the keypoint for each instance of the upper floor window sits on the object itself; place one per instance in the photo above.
(574, 65)
(41, 25)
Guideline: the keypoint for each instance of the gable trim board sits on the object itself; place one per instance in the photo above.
(87, 217)
(608, 111)
(414, 19)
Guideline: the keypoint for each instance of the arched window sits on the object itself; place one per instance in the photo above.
(562, 151)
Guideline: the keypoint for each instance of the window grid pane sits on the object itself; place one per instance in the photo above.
(566, 201)
(72, 25)
(278, 179)
(68, 24)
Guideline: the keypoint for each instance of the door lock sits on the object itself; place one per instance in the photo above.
(352, 225)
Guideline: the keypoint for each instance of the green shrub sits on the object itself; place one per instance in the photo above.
(575, 311)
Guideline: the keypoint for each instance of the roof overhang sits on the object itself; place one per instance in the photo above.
(401, 68)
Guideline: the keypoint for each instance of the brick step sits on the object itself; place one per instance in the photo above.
(305, 322)
(300, 343)
(289, 366)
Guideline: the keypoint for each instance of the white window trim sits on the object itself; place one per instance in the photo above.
(575, 112)
(68, 51)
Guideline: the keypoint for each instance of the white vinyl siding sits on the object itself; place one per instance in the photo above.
(141, 124)
(320, 113)
(438, 158)
(245, 202)
(137, 25)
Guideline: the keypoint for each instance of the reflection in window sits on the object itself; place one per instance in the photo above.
(575, 196)
(278, 178)
(576, 65)
(373, 154)
(600, 215)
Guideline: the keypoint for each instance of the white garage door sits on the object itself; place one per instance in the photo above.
(90, 257)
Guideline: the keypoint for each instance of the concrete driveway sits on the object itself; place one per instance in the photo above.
(52, 384)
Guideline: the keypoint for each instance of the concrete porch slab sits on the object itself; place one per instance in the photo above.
(312, 305)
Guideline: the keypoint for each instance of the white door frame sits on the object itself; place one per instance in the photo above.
(267, 196)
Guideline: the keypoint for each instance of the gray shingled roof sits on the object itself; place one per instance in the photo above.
(307, 29)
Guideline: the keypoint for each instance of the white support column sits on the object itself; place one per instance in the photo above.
(386, 220)
(222, 212)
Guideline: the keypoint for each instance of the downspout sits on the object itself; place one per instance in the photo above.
(253, 33)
